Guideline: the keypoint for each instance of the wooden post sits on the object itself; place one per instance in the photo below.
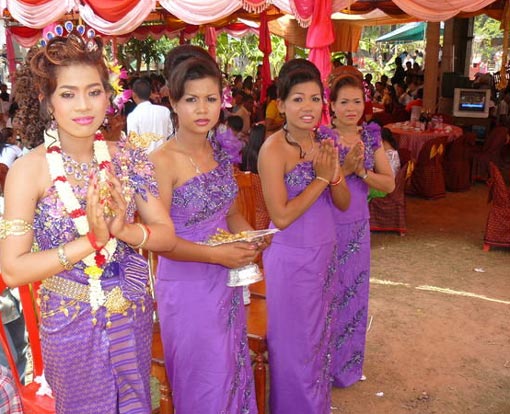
(431, 67)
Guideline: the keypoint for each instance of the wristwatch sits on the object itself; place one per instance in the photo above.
(364, 176)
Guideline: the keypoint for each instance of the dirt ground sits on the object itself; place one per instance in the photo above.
(432, 351)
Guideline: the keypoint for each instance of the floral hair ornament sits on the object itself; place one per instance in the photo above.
(119, 95)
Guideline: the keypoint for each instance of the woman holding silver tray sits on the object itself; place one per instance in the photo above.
(203, 322)
(302, 185)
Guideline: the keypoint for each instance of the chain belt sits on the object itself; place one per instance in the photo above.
(115, 300)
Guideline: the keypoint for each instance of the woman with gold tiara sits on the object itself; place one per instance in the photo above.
(75, 196)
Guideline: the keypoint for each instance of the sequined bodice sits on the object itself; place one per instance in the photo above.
(315, 226)
(52, 224)
(358, 208)
(201, 204)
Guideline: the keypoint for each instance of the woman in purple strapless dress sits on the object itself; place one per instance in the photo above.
(203, 322)
(365, 165)
(302, 185)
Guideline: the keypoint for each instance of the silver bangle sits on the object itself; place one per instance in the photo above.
(364, 176)
(63, 259)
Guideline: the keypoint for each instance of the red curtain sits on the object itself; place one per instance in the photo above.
(266, 48)
(111, 10)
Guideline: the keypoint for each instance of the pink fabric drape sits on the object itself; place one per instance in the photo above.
(435, 11)
(266, 48)
(303, 10)
(210, 40)
(39, 13)
(320, 36)
(201, 11)
(11, 55)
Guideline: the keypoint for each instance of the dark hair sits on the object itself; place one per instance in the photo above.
(293, 73)
(387, 136)
(181, 53)
(271, 91)
(143, 88)
(235, 123)
(5, 134)
(251, 150)
(342, 81)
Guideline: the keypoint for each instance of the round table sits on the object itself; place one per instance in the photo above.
(409, 135)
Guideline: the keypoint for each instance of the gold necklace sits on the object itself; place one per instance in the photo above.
(292, 141)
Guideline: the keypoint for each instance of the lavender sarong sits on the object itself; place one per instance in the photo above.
(352, 291)
(300, 274)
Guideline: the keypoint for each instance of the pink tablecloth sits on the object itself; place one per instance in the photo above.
(413, 138)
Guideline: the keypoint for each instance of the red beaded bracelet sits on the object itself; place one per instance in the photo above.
(93, 242)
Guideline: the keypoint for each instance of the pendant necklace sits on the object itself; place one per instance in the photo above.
(292, 141)
(198, 171)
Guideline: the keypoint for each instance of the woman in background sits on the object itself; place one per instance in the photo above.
(365, 165)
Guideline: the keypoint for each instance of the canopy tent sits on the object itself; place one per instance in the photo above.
(125, 17)
(411, 32)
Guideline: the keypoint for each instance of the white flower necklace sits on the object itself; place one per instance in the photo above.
(94, 261)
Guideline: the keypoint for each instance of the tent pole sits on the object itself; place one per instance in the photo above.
(431, 67)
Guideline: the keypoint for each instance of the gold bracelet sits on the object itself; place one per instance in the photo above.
(322, 179)
(145, 236)
(15, 227)
(334, 183)
(62, 258)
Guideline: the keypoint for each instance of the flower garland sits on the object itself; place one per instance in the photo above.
(95, 261)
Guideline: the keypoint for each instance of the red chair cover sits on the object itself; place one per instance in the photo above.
(457, 162)
(491, 152)
(428, 176)
(389, 213)
(497, 229)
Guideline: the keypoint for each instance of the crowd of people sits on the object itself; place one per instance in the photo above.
(91, 196)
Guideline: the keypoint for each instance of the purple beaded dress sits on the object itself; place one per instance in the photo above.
(101, 366)
(203, 322)
(300, 270)
(351, 296)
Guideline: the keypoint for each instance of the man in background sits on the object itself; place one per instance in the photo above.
(151, 122)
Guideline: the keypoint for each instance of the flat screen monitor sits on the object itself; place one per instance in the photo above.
(471, 103)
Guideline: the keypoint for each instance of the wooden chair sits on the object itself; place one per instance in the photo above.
(389, 213)
(246, 197)
(497, 229)
(32, 403)
(428, 176)
(257, 342)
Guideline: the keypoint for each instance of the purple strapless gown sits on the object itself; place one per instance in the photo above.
(351, 295)
(203, 322)
(300, 270)
(98, 368)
